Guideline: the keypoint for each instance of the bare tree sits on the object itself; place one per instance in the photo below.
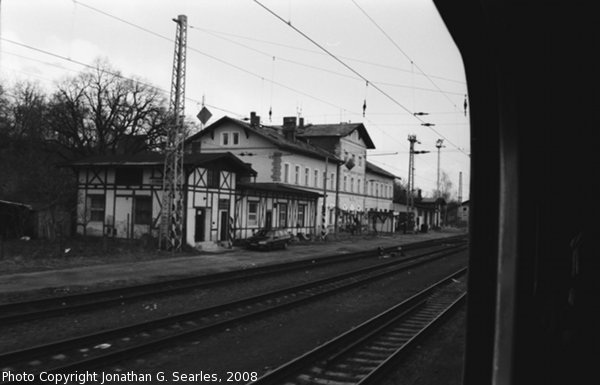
(28, 111)
(445, 187)
(99, 111)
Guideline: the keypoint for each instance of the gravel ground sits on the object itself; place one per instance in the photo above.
(438, 359)
(36, 332)
(274, 340)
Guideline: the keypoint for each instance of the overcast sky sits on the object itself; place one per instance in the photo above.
(241, 58)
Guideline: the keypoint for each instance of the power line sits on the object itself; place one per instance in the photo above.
(214, 32)
(402, 51)
(107, 14)
(337, 59)
(117, 74)
(354, 71)
(316, 67)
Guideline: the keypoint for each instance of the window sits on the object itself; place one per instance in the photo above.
(345, 182)
(316, 181)
(143, 210)
(360, 161)
(351, 184)
(282, 207)
(286, 173)
(212, 178)
(358, 186)
(225, 138)
(301, 215)
(128, 176)
(306, 176)
(371, 188)
(376, 189)
(236, 138)
(331, 182)
(297, 175)
(252, 213)
(96, 207)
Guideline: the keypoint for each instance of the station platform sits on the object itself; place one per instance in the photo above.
(201, 264)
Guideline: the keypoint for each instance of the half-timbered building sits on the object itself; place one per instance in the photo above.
(121, 195)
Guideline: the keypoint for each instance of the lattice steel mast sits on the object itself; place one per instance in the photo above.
(171, 228)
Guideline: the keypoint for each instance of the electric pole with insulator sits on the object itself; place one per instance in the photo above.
(411, 175)
(171, 227)
(438, 145)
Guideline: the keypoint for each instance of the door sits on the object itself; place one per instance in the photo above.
(123, 216)
(223, 225)
(199, 235)
(269, 219)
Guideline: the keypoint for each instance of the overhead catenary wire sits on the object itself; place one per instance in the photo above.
(90, 66)
(403, 52)
(306, 65)
(190, 48)
(381, 65)
(393, 100)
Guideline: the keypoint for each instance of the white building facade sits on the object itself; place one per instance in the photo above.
(330, 160)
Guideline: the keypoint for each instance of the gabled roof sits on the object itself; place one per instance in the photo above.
(370, 167)
(336, 130)
(279, 188)
(225, 160)
(272, 134)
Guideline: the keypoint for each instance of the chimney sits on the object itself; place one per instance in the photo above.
(301, 123)
(254, 119)
(289, 128)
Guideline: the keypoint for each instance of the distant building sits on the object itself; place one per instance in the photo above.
(328, 159)
(457, 214)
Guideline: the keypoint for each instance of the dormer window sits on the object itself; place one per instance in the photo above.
(225, 138)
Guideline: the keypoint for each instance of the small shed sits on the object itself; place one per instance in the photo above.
(15, 219)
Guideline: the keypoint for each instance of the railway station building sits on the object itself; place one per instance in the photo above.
(121, 196)
(325, 159)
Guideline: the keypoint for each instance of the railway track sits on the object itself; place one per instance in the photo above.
(107, 347)
(365, 354)
(18, 312)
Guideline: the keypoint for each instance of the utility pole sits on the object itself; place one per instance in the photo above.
(171, 227)
(337, 197)
(411, 174)
(324, 208)
(409, 188)
(460, 187)
(438, 145)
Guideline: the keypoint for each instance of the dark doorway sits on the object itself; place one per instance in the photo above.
(199, 231)
(224, 226)
(269, 219)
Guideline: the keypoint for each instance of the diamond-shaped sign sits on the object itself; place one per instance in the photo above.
(204, 115)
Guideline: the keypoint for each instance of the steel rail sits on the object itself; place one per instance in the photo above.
(366, 353)
(104, 348)
(18, 312)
